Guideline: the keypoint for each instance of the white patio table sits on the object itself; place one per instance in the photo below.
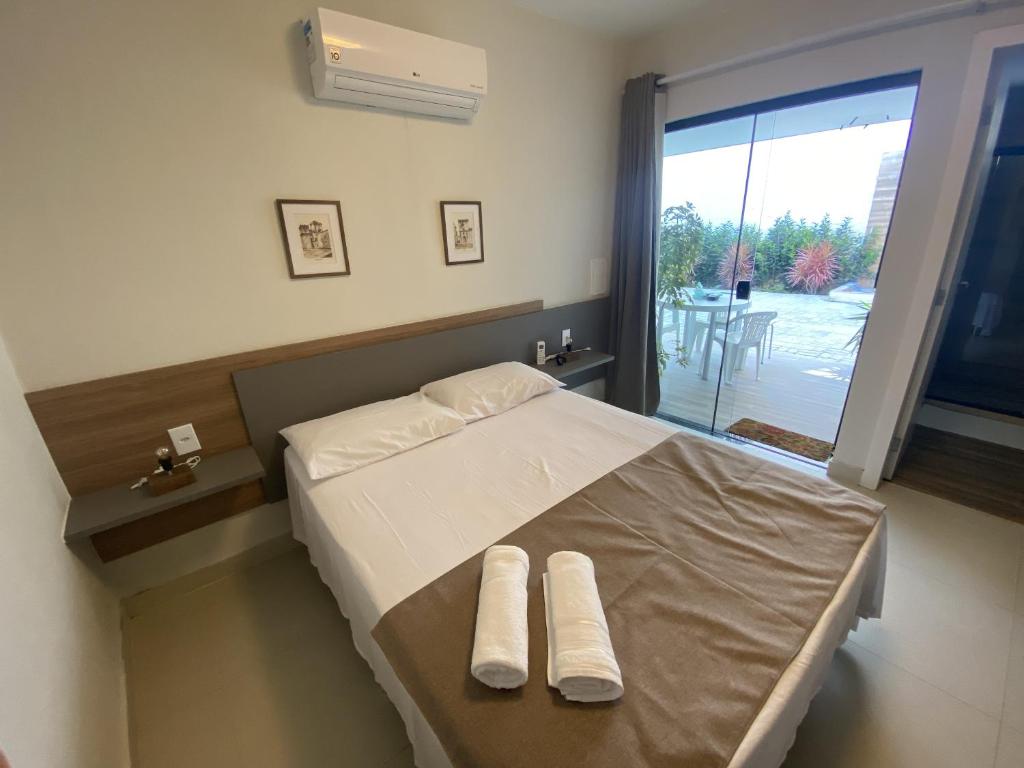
(718, 312)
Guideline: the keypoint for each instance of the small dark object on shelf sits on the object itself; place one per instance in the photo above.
(164, 459)
(568, 356)
(165, 482)
(575, 362)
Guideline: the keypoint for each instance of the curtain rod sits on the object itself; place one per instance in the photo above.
(857, 31)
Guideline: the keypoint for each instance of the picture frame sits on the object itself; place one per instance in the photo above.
(462, 231)
(314, 238)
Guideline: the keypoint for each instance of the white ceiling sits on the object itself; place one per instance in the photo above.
(621, 18)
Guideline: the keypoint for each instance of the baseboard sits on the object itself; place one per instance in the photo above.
(970, 422)
(845, 474)
(979, 412)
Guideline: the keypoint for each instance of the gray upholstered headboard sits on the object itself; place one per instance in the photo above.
(276, 396)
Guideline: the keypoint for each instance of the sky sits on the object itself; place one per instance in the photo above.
(812, 174)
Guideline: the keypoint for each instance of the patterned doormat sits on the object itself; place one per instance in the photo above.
(794, 442)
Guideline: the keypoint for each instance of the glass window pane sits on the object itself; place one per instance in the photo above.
(800, 210)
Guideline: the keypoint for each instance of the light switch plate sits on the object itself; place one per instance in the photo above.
(566, 336)
(184, 439)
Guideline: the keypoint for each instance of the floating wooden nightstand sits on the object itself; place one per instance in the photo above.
(577, 363)
(121, 521)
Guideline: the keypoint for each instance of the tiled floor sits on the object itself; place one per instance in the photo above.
(257, 669)
(939, 681)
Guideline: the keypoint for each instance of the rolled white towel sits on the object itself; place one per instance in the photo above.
(501, 643)
(581, 661)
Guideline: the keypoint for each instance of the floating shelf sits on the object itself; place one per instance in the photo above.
(586, 360)
(111, 507)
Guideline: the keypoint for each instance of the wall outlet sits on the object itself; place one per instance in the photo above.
(566, 337)
(184, 439)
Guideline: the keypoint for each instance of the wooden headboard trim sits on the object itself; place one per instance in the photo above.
(103, 432)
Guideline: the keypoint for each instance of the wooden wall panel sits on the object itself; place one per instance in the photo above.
(103, 432)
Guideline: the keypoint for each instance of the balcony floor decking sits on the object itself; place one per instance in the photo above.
(798, 393)
(802, 387)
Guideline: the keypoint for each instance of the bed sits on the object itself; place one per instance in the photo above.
(383, 532)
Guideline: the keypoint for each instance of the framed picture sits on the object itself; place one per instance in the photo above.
(314, 237)
(463, 226)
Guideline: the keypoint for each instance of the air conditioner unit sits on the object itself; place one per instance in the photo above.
(376, 65)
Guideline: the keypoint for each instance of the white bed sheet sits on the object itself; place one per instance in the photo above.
(380, 533)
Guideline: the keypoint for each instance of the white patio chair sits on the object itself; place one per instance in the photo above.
(702, 320)
(670, 319)
(749, 334)
(771, 340)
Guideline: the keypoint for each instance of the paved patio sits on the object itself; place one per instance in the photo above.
(802, 387)
(811, 326)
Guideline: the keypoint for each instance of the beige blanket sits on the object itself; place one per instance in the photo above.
(713, 567)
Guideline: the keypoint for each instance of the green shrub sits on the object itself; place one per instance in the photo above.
(697, 251)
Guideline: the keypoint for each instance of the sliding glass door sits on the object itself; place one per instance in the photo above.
(704, 182)
(774, 221)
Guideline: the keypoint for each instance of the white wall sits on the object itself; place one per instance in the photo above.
(719, 31)
(144, 144)
(142, 148)
(62, 698)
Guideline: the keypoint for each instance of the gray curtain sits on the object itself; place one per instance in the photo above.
(633, 380)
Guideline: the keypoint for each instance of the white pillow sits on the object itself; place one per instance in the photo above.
(342, 442)
(489, 391)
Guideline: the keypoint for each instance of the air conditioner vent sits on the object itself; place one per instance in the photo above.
(367, 63)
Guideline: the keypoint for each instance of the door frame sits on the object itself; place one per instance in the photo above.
(889, 82)
(892, 81)
(967, 171)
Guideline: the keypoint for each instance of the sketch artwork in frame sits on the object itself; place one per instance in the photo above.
(314, 237)
(463, 225)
